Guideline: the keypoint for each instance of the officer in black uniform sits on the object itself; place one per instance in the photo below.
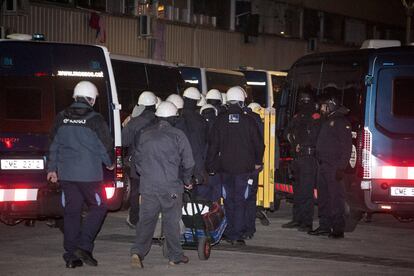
(236, 152)
(302, 133)
(196, 129)
(130, 133)
(333, 151)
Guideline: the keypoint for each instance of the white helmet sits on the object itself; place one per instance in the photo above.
(202, 101)
(214, 94)
(147, 98)
(254, 107)
(192, 93)
(207, 106)
(236, 93)
(85, 89)
(224, 97)
(176, 100)
(166, 109)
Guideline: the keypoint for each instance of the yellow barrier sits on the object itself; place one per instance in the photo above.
(266, 183)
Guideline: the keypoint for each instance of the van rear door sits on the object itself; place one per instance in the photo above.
(391, 124)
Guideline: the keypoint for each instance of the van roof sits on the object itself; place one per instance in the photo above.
(276, 73)
(224, 71)
(53, 42)
(141, 60)
(361, 53)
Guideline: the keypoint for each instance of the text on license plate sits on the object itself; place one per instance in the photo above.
(22, 164)
(402, 191)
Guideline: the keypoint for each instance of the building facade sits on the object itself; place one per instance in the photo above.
(259, 33)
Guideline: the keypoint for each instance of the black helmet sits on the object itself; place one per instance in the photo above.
(331, 101)
(304, 98)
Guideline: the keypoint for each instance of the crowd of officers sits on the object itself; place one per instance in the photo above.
(211, 147)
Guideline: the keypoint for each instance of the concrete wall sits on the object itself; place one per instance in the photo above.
(180, 44)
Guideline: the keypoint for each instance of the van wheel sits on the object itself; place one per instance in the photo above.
(352, 218)
(127, 194)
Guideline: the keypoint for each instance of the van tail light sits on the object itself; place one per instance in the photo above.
(389, 172)
(109, 192)
(119, 170)
(364, 154)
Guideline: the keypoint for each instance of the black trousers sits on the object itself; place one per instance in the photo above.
(331, 199)
(75, 194)
(305, 172)
(134, 201)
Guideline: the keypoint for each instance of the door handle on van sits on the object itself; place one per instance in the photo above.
(116, 106)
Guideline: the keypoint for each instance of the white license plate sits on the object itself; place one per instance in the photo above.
(402, 191)
(22, 164)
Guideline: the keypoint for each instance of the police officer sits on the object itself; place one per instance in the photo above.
(163, 155)
(253, 211)
(302, 133)
(209, 113)
(333, 150)
(215, 98)
(236, 151)
(212, 189)
(130, 133)
(80, 143)
(196, 130)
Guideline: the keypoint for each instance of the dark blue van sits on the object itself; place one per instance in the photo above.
(377, 86)
(36, 82)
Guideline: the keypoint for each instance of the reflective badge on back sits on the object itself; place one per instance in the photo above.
(234, 118)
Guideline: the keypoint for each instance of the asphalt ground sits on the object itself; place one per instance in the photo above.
(381, 247)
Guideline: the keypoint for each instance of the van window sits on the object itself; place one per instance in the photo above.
(164, 80)
(23, 104)
(37, 81)
(395, 101)
(277, 83)
(131, 80)
(192, 77)
(223, 81)
(258, 82)
(403, 97)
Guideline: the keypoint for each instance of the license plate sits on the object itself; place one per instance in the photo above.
(402, 191)
(22, 164)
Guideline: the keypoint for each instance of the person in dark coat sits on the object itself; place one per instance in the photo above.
(302, 133)
(215, 98)
(130, 133)
(80, 144)
(211, 189)
(236, 152)
(165, 163)
(196, 129)
(333, 151)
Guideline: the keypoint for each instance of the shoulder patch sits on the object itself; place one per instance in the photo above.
(234, 118)
(316, 116)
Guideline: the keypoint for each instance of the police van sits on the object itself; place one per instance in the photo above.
(210, 78)
(37, 81)
(134, 75)
(376, 84)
